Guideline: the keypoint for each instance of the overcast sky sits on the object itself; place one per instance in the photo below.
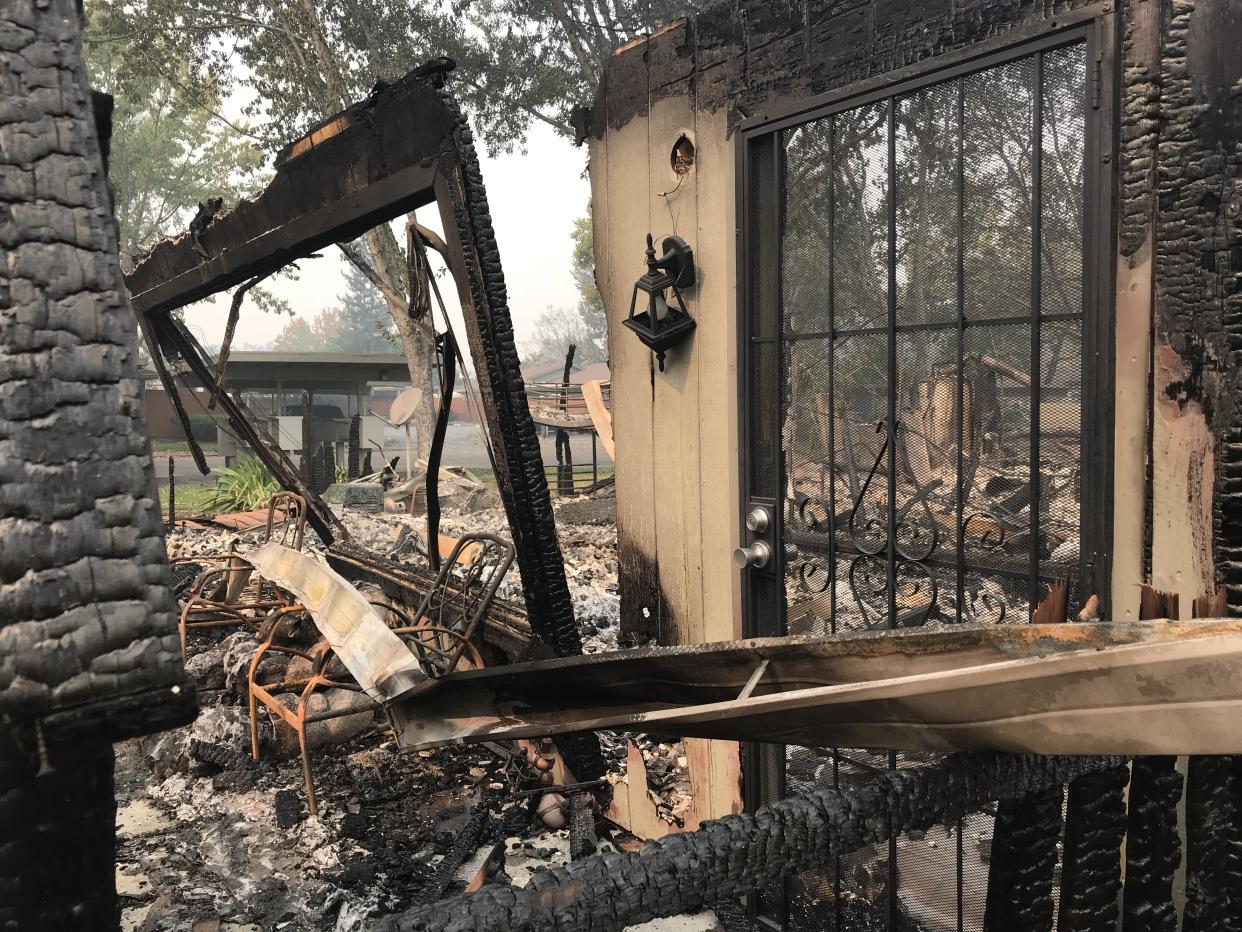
(534, 197)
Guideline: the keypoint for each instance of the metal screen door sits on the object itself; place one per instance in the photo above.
(917, 293)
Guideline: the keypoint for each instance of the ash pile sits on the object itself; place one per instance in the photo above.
(212, 839)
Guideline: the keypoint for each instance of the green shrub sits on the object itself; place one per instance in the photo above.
(244, 486)
(205, 427)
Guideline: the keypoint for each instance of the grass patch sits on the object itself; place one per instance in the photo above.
(193, 498)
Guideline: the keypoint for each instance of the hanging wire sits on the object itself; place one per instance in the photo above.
(471, 399)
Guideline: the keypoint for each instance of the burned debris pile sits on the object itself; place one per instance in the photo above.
(208, 833)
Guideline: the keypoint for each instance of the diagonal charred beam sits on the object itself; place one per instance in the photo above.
(172, 338)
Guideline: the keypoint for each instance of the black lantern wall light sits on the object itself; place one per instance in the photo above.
(663, 324)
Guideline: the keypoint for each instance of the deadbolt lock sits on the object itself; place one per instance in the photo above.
(758, 519)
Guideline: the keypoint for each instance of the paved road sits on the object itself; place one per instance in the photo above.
(462, 447)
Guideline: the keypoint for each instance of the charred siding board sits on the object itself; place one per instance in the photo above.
(1024, 857)
(1199, 245)
(1153, 848)
(751, 54)
(86, 613)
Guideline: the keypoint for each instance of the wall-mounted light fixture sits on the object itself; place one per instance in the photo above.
(662, 325)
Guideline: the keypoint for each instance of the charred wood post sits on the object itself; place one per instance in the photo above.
(564, 453)
(1024, 857)
(1095, 825)
(740, 854)
(520, 477)
(88, 645)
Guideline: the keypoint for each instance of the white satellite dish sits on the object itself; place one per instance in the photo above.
(404, 406)
(400, 415)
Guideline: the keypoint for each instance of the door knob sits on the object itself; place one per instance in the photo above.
(755, 556)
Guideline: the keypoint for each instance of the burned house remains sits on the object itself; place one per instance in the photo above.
(928, 480)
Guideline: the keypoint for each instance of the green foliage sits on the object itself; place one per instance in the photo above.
(358, 324)
(586, 325)
(296, 61)
(169, 150)
(245, 486)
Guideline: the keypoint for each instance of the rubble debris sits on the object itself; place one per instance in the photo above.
(377, 659)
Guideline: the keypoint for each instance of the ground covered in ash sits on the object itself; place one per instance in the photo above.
(211, 841)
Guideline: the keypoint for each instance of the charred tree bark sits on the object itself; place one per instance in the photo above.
(88, 644)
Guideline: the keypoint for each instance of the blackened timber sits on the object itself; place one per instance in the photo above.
(741, 854)
(1024, 858)
(1213, 880)
(368, 164)
(1095, 824)
(520, 476)
(1153, 847)
(447, 348)
(489, 328)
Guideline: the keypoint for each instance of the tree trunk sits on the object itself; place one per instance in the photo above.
(417, 340)
(88, 641)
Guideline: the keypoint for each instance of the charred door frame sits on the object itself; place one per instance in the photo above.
(759, 293)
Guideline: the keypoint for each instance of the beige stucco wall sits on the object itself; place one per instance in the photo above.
(675, 431)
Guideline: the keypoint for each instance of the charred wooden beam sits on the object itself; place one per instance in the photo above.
(362, 167)
(405, 146)
(741, 854)
(1113, 687)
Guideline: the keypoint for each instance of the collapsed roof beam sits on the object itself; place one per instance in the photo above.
(405, 146)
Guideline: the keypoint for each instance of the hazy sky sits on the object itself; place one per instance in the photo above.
(534, 197)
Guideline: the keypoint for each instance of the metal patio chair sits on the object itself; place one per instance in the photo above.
(440, 633)
(229, 592)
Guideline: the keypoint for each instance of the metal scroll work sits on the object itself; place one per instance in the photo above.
(924, 519)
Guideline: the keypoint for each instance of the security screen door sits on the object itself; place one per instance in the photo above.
(918, 293)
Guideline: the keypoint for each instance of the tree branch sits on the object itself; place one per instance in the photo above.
(390, 294)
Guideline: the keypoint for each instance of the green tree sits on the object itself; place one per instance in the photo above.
(168, 150)
(364, 325)
(590, 302)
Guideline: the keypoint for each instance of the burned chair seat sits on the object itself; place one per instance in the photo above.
(440, 633)
(228, 592)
